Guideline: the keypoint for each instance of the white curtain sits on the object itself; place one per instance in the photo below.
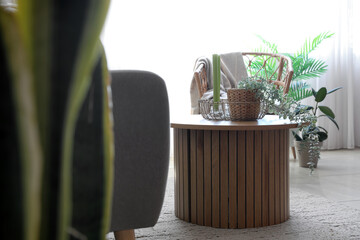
(343, 61)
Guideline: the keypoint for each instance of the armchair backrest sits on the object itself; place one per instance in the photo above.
(276, 68)
(142, 145)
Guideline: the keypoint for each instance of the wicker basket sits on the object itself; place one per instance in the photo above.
(222, 110)
(243, 104)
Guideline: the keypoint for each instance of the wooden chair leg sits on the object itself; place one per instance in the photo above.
(293, 152)
(125, 235)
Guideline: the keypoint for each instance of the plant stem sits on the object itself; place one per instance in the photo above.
(316, 107)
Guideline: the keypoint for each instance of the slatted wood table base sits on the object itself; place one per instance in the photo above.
(232, 179)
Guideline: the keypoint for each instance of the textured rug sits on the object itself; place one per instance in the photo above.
(311, 217)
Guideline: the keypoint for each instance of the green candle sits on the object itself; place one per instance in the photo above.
(216, 80)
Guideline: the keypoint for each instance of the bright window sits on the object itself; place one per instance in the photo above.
(166, 37)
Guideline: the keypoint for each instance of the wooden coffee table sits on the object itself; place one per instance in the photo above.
(232, 174)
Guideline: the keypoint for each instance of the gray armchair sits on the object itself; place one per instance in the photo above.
(141, 132)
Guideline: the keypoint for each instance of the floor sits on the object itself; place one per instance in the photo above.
(336, 178)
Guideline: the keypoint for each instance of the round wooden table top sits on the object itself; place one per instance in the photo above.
(269, 122)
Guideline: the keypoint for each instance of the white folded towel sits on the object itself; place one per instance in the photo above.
(233, 67)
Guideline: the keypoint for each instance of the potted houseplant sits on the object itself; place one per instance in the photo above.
(253, 97)
(309, 136)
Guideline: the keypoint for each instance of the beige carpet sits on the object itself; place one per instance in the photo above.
(311, 217)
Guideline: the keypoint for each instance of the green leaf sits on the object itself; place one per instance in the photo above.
(304, 67)
(51, 48)
(22, 167)
(35, 24)
(327, 111)
(60, 39)
(323, 129)
(333, 120)
(10, 183)
(82, 24)
(311, 45)
(313, 92)
(299, 90)
(321, 94)
(297, 137)
(271, 47)
(92, 144)
(307, 68)
(334, 90)
(322, 136)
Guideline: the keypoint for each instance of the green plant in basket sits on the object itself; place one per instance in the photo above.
(270, 95)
